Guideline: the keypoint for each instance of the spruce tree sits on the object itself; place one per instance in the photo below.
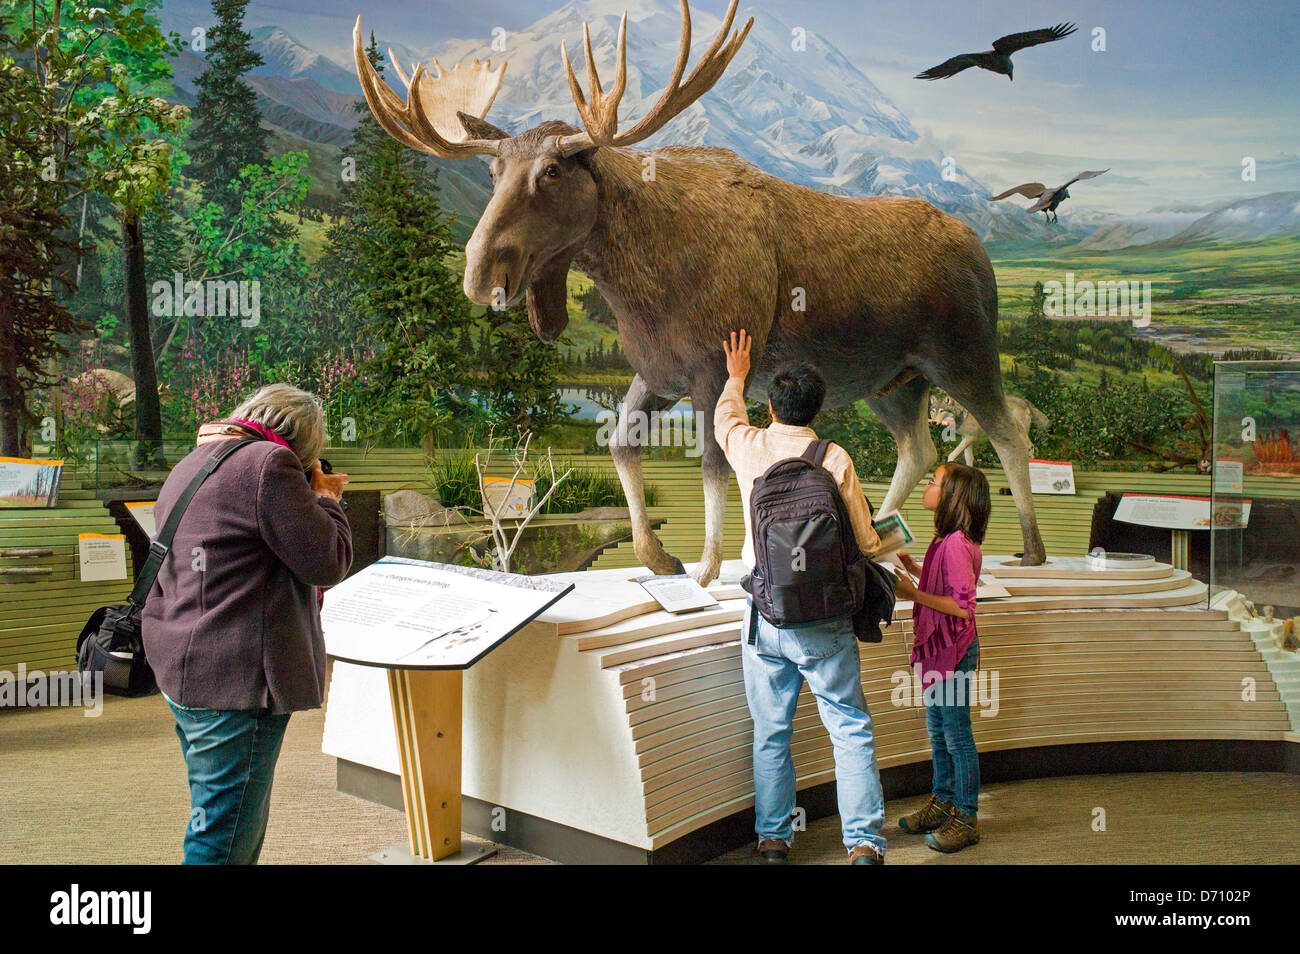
(394, 238)
(227, 134)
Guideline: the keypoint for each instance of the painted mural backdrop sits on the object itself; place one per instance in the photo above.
(247, 221)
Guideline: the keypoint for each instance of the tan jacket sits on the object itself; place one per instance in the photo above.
(752, 450)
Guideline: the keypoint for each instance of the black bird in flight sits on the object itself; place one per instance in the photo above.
(998, 59)
(1048, 199)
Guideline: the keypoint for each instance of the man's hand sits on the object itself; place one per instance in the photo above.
(737, 351)
(328, 485)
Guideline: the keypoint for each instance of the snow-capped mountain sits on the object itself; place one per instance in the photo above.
(807, 115)
(1272, 214)
(284, 56)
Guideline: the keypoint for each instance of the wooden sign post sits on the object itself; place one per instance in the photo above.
(427, 720)
(426, 623)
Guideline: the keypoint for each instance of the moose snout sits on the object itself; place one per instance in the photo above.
(493, 275)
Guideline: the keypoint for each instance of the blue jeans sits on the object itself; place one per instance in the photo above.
(825, 654)
(947, 719)
(230, 755)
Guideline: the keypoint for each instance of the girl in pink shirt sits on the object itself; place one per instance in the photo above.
(945, 651)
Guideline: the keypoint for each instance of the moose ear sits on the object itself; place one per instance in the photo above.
(480, 128)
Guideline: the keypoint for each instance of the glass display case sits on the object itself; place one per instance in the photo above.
(1255, 488)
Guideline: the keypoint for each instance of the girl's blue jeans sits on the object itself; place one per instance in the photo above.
(947, 719)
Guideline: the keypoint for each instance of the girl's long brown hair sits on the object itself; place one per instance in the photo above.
(964, 502)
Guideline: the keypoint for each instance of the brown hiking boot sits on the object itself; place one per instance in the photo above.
(865, 855)
(957, 832)
(773, 850)
(930, 816)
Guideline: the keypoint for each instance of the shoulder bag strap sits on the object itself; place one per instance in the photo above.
(161, 545)
(816, 451)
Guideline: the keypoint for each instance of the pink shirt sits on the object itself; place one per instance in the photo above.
(951, 568)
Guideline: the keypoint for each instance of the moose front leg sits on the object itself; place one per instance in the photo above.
(716, 473)
(625, 445)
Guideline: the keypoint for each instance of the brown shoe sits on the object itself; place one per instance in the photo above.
(865, 855)
(957, 832)
(930, 816)
(773, 850)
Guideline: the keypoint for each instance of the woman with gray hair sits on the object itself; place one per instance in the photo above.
(232, 625)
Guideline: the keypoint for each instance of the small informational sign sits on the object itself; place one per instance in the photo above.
(894, 534)
(102, 556)
(141, 512)
(1182, 513)
(989, 588)
(1051, 477)
(1229, 475)
(29, 483)
(514, 498)
(679, 593)
(412, 614)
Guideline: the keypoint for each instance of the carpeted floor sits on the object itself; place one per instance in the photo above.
(80, 790)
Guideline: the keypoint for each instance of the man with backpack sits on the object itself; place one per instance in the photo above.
(807, 526)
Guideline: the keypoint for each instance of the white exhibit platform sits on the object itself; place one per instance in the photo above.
(611, 717)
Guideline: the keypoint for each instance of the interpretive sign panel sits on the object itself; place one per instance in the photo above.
(412, 614)
(1181, 513)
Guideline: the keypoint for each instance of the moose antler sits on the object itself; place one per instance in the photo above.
(600, 115)
(427, 120)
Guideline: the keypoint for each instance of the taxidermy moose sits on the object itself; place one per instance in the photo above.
(885, 294)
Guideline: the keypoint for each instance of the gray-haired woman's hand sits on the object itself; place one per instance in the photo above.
(327, 485)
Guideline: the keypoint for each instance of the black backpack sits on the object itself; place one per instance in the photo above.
(807, 565)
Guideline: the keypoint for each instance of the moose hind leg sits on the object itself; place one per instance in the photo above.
(1012, 445)
(906, 413)
(630, 435)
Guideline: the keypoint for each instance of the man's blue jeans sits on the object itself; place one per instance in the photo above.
(825, 654)
(952, 746)
(230, 754)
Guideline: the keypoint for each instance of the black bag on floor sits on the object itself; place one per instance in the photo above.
(111, 642)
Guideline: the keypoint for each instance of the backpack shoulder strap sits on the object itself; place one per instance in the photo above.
(161, 545)
(816, 451)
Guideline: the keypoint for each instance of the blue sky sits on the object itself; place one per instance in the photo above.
(1181, 94)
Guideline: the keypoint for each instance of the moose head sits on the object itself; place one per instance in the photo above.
(546, 181)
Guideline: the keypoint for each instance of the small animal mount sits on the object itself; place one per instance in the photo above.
(1291, 634)
(947, 412)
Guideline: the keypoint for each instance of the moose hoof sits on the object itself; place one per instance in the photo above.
(706, 572)
(661, 563)
(1033, 558)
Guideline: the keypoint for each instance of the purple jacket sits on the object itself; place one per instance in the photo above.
(951, 568)
(233, 621)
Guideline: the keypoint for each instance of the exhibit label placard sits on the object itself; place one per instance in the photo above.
(29, 483)
(413, 614)
(101, 556)
(1229, 475)
(1051, 477)
(141, 512)
(678, 593)
(1173, 512)
(506, 497)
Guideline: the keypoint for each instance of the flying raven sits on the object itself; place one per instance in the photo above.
(1048, 199)
(998, 59)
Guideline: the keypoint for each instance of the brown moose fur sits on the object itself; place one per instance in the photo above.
(689, 243)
